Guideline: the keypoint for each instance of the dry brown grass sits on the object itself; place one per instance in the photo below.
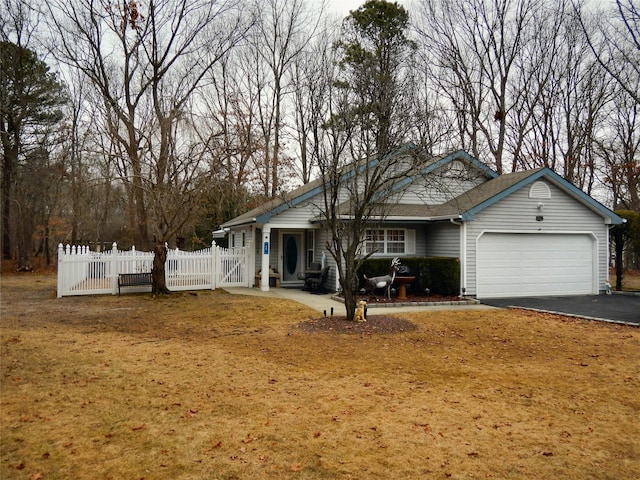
(217, 386)
(630, 280)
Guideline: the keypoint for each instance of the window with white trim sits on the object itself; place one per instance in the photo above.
(311, 241)
(389, 241)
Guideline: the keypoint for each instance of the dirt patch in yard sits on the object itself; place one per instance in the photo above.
(211, 385)
(374, 324)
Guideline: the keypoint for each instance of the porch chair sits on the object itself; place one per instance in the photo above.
(314, 271)
(316, 284)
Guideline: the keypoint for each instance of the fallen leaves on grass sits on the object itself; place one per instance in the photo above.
(495, 394)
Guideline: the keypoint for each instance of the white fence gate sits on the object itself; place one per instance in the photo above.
(83, 272)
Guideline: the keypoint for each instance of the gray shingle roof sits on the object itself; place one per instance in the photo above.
(289, 199)
(462, 207)
(454, 208)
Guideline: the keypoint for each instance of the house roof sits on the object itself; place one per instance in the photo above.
(464, 207)
(487, 194)
(266, 211)
(467, 205)
(454, 209)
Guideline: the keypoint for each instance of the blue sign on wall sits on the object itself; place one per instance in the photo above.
(266, 248)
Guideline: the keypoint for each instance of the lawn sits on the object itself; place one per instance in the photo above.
(215, 386)
(630, 280)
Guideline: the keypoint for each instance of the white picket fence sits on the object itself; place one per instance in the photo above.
(84, 272)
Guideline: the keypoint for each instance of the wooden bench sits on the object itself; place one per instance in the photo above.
(134, 280)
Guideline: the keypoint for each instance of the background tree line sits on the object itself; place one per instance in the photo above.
(155, 121)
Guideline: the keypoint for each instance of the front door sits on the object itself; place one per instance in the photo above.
(291, 256)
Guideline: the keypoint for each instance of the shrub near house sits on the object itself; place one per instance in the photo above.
(441, 275)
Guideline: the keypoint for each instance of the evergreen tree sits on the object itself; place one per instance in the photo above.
(375, 51)
(31, 97)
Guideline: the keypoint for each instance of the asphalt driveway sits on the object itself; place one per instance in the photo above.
(612, 308)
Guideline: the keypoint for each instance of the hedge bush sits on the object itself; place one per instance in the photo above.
(441, 275)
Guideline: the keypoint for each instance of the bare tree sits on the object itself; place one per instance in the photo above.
(614, 38)
(536, 91)
(282, 32)
(313, 75)
(225, 125)
(366, 122)
(478, 45)
(146, 63)
(616, 43)
(564, 103)
(620, 151)
(432, 122)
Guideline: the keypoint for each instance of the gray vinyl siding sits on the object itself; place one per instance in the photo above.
(299, 215)
(437, 190)
(517, 213)
(443, 240)
(257, 242)
(421, 239)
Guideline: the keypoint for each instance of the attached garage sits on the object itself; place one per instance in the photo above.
(535, 264)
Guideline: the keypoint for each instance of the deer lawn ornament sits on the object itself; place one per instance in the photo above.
(384, 281)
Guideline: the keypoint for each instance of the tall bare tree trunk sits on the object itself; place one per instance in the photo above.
(10, 159)
(159, 286)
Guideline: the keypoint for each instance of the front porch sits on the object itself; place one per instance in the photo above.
(283, 255)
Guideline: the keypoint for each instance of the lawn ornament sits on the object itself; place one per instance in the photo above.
(385, 281)
(361, 312)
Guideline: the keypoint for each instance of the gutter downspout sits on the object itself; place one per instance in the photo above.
(463, 255)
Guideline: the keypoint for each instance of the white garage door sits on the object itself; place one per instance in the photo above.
(531, 264)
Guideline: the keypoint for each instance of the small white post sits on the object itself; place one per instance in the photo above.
(61, 272)
(114, 268)
(214, 264)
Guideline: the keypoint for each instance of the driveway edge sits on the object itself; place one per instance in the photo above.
(574, 315)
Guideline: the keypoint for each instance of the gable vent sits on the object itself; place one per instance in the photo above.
(457, 166)
(539, 190)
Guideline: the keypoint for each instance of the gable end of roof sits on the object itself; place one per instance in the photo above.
(522, 179)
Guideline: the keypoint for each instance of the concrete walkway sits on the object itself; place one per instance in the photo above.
(323, 303)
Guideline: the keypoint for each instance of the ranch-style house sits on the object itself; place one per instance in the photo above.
(528, 233)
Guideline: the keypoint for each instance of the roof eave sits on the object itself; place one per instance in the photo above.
(238, 223)
(401, 218)
(416, 218)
